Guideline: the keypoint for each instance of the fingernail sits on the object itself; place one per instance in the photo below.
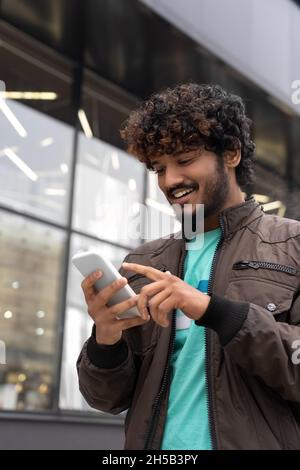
(98, 274)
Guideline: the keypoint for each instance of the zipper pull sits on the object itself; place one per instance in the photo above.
(253, 264)
(164, 268)
(241, 265)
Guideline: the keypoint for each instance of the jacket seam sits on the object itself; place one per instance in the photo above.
(262, 280)
(153, 251)
(260, 235)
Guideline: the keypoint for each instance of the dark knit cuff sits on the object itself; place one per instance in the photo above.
(106, 356)
(225, 317)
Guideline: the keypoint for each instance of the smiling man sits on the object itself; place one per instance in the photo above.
(208, 365)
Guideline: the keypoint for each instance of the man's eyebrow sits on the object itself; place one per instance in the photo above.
(154, 162)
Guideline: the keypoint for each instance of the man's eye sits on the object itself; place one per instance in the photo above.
(158, 171)
(183, 162)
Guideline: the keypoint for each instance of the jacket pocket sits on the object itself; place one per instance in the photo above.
(254, 264)
(276, 299)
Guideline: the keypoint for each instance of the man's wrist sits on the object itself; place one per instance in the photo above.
(205, 301)
(106, 356)
(224, 316)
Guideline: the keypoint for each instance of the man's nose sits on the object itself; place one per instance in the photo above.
(173, 178)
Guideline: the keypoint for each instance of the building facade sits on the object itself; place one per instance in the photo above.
(70, 73)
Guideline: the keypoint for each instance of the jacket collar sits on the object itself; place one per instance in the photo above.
(232, 219)
(236, 217)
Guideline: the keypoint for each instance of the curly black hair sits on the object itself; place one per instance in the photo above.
(188, 117)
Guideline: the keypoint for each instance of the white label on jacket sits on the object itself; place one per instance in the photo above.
(182, 322)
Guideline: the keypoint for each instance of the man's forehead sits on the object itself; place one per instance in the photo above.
(165, 157)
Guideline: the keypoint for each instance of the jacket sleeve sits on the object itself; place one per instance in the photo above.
(259, 344)
(108, 388)
(107, 374)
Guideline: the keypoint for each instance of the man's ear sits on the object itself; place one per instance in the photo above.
(232, 158)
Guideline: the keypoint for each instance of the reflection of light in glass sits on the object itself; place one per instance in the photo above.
(40, 314)
(28, 95)
(47, 142)
(13, 149)
(92, 159)
(85, 124)
(39, 331)
(22, 377)
(135, 208)
(270, 206)
(64, 168)
(261, 198)
(115, 160)
(15, 285)
(8, 314)
(55, 192)
(159, 206)
(43, 388)
(152, 185)
(132, 184)
(20, 164)
(12, 118)
(18, 388)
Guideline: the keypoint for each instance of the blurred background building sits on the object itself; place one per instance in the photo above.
(73, 70)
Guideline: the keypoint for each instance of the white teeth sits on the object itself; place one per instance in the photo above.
(182, 193)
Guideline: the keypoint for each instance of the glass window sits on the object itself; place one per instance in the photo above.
(273, 193)
(295, 148)
(36, 75)
(162, 56)
(31, 273)
(78, 324)
(108, 190)
(159, 219)
(106, 108)
(269, 133)
(55, 23)
(34, 166)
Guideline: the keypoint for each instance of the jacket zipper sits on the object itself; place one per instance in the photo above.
(211, 419)
(166, 376)
(134, 277)
(265, 265)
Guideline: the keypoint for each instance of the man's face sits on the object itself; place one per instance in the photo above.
(200, 172)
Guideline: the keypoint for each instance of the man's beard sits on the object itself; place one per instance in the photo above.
(214, 196)
(216, 190)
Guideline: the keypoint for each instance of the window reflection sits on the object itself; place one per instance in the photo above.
(35, 160)
(295, 136)
(270, 139)
(78, 324)
(108, 187)
(160, 219)
(31, 255)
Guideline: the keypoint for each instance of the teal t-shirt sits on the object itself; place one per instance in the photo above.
(187, 423)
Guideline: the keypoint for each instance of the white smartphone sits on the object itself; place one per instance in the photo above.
(89, 261)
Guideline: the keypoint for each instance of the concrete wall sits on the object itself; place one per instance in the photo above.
(54, 433)
(260, 38)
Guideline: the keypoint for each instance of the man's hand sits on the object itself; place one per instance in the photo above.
(166, 293)
(108, 326)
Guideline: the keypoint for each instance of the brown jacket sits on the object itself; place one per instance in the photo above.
(253, 324)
